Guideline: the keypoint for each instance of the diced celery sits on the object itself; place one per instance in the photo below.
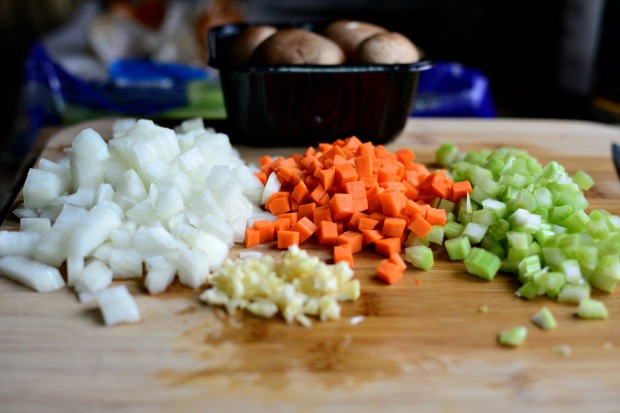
(560, 213)
(482, 263)
(498, 207)
(518, 254)
(526, 200)
(524, 220)
(528, 267)
(571, 271)
(514, 337)
(478, 194)
(458, 248)
(474, 232)
(436, 234)
(551, 281)
(420, 256)
(446, 154)
(544, 319)
(520, 240)
(598, 229)
(590, 308)
(453, 229)
(574, 293)
(577, 221)
(543, 197)
(553, 256)
(484, 217)
(607, 273)
(499, 229)
(529, 290)
(553, 171)
(491, 187)
(446, 205)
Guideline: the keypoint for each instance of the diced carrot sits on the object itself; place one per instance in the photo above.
(388, 246)
(338, 160)
(413, 208)
(286, 238)
(460, 190)
(324, 200)
(419, 226)
(312, 182)
(395, 185)
(266, 229)
(411, 191)
(265, 160)
(279, 205)
(360, 204)
(300, 193)
(367, 223)
(252, 237)
(317, 193)
(322, 213)
(332, 152)
(393, 227)
(351, 238)
(397, 259)
(327, 233)
(378, 216)
(341, 206)
(370, 236)
(262, 177)
(343, 253)
(292, 216)
(405, 155)
(436, 216)
(306, 210)
(355, 189)
(363, 165)
(281, 224)
(305, 227)
(389, 272)
(275, 195)
(354, 222)
(326, 176)
(392, 202)
(345, 173)
(310, 151)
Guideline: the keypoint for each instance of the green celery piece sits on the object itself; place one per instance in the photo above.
(484, 217)
(520, 240)
(518, 254)
(513, 337)
(577, 221)
(482, 263)
(435, 235)
(553, 171)
(574, 293)
(587, 257)
(458, 248)
(491, 187)
(499, 229)
(420, 256)
(498, 207)
(446, 205)
(560, 213)
(583, 180)
(529, 290)
(552, 282)
(474, 232)
(553, 256)
(523, 220)
(477, 157)
(478, 194)
(453, 229)
(446, 154)
(478, 175)
(592, 309)
(529, 266)
(607, 273)
(609, 245)
(543, 196)
(525, 199)
(571, 271)
(544, 319)
(598, 228)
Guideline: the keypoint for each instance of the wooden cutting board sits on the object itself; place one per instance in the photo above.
(423, 344)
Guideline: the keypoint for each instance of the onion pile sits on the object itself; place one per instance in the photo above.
(151, 200)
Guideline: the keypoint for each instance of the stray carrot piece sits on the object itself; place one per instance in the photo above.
(367, 223)
(322, 213)
(327, 233)
(370, 236)
(300, 193)
(388, 246)
(286, 238)
(281, 224)
(418, 281)
(460, 190)
(392, 202)
(351, 238)
(262, 177)
(306, 210)
(343, 253)
(292, 216)
(252, 237)
(341, 206)
(305, 227)
(436, 216)
(405, 155)
(363, 165)
(326, 176)
(266, 229)
(419, 226)
(356, 189)
(317, 193)
(393, 227)
(397, 259)
(279, 205)
(389, 272)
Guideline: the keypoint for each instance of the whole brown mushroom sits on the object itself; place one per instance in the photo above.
(298, 47)
(247, 41)
(387, 48)
(348, 34)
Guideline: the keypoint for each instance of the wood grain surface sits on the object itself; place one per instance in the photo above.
(423, 344)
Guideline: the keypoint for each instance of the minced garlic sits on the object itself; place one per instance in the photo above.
(296, 286)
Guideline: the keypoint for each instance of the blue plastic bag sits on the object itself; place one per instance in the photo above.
(450, 89)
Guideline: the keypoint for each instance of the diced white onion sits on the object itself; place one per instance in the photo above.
(118, 306)
(33, 274)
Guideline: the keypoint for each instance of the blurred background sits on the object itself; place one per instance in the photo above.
(541, 59)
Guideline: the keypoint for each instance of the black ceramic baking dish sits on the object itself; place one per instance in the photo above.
(299, 105)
